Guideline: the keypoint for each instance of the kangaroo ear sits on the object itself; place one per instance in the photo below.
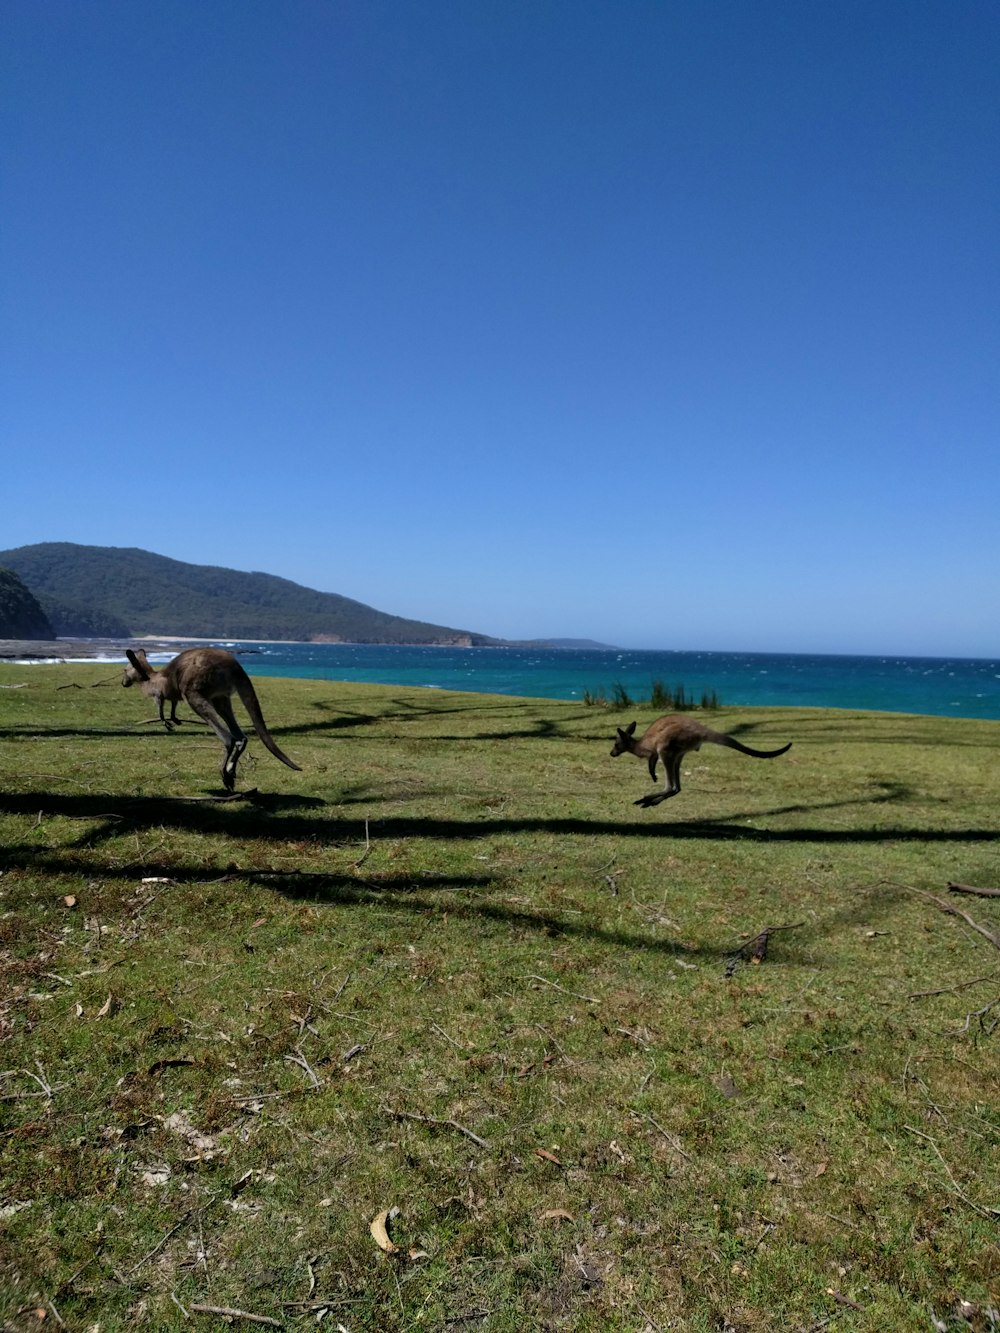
(630, 729)
(141, 665)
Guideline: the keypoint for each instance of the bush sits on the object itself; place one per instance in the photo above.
(661, 697)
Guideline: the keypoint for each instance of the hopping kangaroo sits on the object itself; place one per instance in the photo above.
(205, 678)
(668, 740)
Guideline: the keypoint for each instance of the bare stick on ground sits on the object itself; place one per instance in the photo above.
(969, 888)
(755, 950)
(227, 1312)
(432, 1120)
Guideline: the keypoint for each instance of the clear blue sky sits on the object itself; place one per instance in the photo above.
(667, 324)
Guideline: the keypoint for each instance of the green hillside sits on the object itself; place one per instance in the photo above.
(21, 617)
(107, 590)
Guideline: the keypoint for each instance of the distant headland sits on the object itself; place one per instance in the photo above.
(110, 596)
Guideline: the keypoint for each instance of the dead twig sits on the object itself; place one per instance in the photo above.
(981, 1014)
(227, 1312)
(976, 1207)
(48, 1089)
(433, 1120)
(368, 846)
(159, 1245)
(670, 1138)
(949, 990)
(590, 999)
(299, 1059)
(440, 1030)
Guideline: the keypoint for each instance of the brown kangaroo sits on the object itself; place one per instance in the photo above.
(205, 678)
(668, 740)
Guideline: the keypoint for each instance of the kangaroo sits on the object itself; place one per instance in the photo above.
(205, 678)
(668, 740)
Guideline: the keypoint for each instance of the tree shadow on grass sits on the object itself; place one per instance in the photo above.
(243, 819)
(419, 894)
(412, 893)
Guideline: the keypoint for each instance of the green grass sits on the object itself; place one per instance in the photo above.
(232, 1034)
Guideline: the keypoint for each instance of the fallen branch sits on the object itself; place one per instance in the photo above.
(977, 1207)
(981, 1015)
(968, 888)
(951, 910)
(227, 1312)
(755, 950)
(432, 1120)
(949, 990)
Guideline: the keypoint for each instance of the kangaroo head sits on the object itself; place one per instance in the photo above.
(138, 668)
(622, 743)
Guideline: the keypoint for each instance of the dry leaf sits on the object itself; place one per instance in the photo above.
(178, 1123)
(156, 1175)
(78, 1009)
(555, 1214)
(106, 1007)
(549, 1156)
(378, 1229)
(820, 1170)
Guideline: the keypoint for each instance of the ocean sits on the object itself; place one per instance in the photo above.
(945, 687)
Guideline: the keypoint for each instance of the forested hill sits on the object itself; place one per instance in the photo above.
(98, 590)
(21, 617)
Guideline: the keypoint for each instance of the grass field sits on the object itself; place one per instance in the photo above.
(450, 969)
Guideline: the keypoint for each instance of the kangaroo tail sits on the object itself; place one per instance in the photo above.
(246, 691)
(734, 744)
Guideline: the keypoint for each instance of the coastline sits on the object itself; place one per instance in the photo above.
(920, 686)
(66, 650)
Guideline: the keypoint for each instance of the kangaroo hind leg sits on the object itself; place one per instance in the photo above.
(672, 779)
(674, 773)
(237, 742)
(232, 737)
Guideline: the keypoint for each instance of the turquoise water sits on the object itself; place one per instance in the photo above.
(946, 687)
